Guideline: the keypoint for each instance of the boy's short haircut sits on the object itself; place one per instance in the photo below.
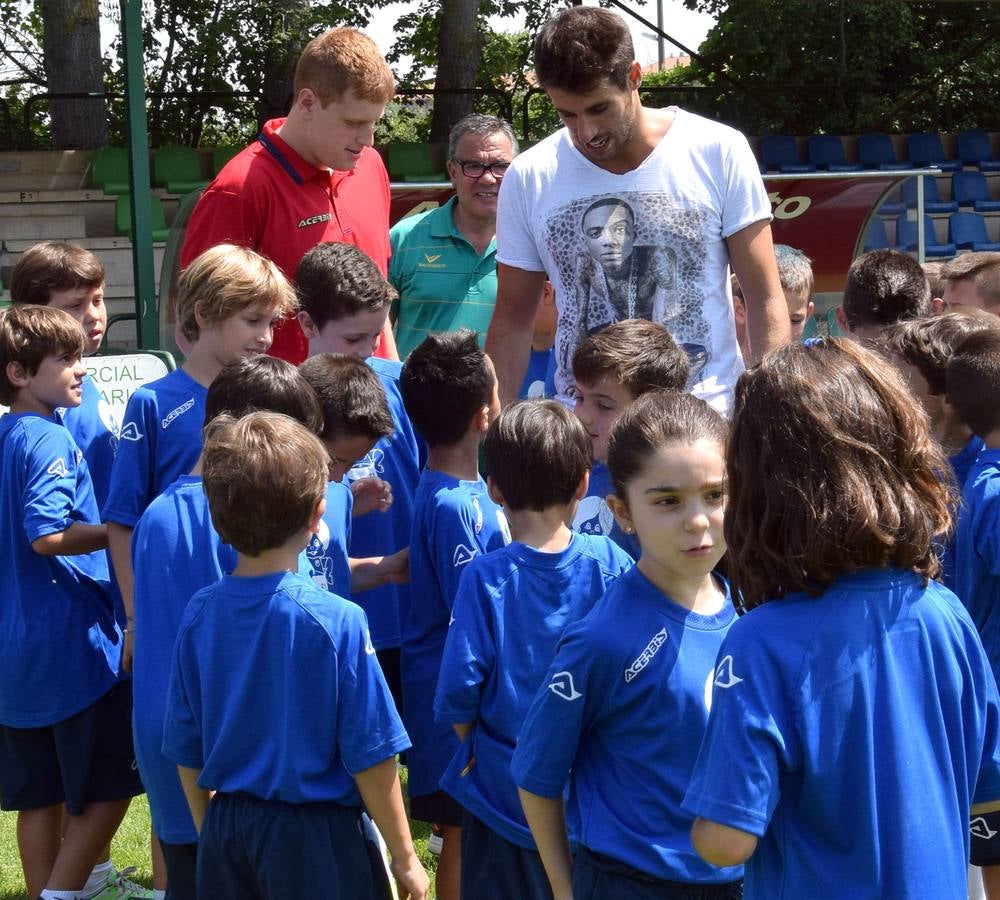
(342, 60)
(928, 343)
(794, 269)
(53, 266)
(831, 470)
(581, 47)
(29, 334)
(659, 419)
(263, 384)
(226, 279)
(537, 453)
(335, 280)
(932, 270)
(973, 381)
(351, 397)
(264, 475)
(445, 381)
(982, 269)
(885, 286)
(637, 353)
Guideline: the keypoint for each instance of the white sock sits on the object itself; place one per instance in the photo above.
(99, 876)
(159, 895)
(48, 894)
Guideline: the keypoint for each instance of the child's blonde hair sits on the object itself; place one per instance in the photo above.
(226, 279)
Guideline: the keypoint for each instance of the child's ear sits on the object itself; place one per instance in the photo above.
(199, 318)
(621, 513)
(308, 325)
(581, 489)
(938, 306)
(482, 420)
(316, 516)
(842, 320)
(17, 375)
(494, 491)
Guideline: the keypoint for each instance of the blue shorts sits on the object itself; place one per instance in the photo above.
(253, 849)
(599, 877)
(87, 758)
(495, 869)
(181, 861)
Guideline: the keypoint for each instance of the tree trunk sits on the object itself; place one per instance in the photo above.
(459, 53)
(72, 45)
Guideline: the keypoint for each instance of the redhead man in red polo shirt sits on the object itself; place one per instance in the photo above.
(310, 177)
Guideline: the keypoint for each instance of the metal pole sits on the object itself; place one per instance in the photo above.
(138, 164)
(659, 37)
(921, 237)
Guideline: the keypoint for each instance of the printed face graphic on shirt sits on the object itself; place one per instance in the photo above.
(609, 229)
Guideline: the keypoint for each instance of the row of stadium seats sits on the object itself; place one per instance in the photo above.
(780, 152)
(967, 189)
(178, 170)
(966, 231)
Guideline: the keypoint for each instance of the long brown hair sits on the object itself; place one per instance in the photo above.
(831, 470)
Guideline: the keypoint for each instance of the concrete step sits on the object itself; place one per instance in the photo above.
(43, 228)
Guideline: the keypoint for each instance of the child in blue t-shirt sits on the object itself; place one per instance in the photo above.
(855, 719)
(510, 609)
(70, 278)
(450, 391)
(611, 369)
(276, 701)
(65, 740)
(179, 552)
(345, 303)
(538, 379)
(355, 416)
(920, 350)
(228, 301)
(623, 708)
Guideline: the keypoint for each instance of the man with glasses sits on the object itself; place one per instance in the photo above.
(444, 261)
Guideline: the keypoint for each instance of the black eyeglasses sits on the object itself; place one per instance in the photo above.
(473, 169)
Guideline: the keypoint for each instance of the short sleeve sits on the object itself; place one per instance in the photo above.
(746, 200)
(736, 776)
(51, 484)
(454, 546)
(221, 216)
(132, 473)
(369, 729)
(469, 653)
(182, 739)
(516, 245)
(574, 696)
(985, 526)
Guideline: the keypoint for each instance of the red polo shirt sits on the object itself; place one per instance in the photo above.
(270, 199)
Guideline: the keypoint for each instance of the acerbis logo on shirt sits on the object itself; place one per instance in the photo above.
(724, 675)
(58, 468)
(130, 433)
(462, 555)
(643, 659)
(177, 413)
(315, 220)
(562, 686)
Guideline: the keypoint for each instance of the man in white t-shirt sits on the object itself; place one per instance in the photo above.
(630, 211)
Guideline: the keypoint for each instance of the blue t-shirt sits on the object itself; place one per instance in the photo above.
(176, 552)
(961, 464)
(325, 559)
(399, 460)
(453, 522)
(594, 516)
(851, 733)
(160, 440)
(95, 429)
(977, 551)
(275, 691)
(534, 385)
(60, 647)
(510, 611)
(624, 707)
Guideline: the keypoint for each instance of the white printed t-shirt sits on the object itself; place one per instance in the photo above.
(661, 253)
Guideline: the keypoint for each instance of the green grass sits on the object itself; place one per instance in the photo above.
(131, 848)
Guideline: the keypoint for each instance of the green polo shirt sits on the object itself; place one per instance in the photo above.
(443, 283)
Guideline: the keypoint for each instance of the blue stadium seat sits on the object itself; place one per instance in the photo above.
(779, 151)
(827, 152)
(932, 200)
(875, 152)
(876, 237)
(967, 230)
(924, 148)
(906, 234)
(971, 189)
(974, 150)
